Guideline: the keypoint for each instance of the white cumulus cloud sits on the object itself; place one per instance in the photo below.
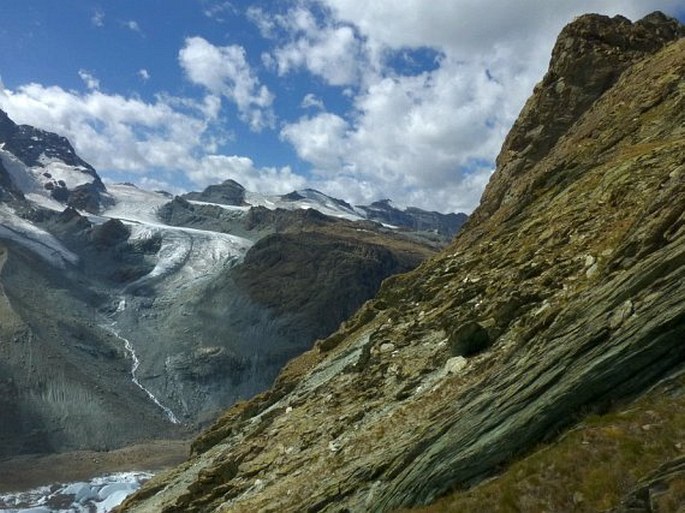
(224, 71)
(328, 50)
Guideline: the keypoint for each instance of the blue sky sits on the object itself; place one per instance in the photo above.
(406, 99)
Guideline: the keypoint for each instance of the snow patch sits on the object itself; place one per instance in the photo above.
(38, 241)
(19, 172)
(309, 199)
(234, 208)
(51, 172)
(134, 204)
(72, 176)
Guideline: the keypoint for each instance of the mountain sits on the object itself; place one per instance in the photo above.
(433, 226)
(229, 192)
(45, 166)
(129, 315)
(536, 364)
(414, 218)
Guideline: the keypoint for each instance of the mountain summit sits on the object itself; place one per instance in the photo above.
(564, 295)
(45, 166)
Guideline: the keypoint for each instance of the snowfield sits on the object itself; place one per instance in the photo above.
(187, 254)
(310, 199)
(31, 237)
(33, 180)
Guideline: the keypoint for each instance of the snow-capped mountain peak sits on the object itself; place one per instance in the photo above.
(45, 165)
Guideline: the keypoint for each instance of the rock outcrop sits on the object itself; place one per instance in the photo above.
(564, 293)
(588, 58)
(228, 192)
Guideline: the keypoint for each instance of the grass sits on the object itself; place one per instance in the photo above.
(592, 467)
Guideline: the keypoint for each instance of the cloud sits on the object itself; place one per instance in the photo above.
(112, 131)
(224, 71)
(88, 79)
(144, 74)
(412, 138)
(333, 54)
(98, 19)
(464, 26)
(158, 144)
(262, 20)
(311, 101)
(305, 41)
(133, 26)
(321, 140)
(217, 11)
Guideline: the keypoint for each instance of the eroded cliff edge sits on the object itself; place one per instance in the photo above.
(565, 292)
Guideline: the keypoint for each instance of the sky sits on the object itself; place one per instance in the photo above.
(360, 99)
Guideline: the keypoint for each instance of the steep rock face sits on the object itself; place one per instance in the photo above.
(65, 379)
(29, 144)
(565, 296)
(589, 56)
(8, 190)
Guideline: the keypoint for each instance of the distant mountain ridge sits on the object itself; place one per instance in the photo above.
(413, 219)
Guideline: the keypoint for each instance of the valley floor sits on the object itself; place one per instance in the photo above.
(25, 472)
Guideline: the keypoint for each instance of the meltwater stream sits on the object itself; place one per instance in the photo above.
(134, 378)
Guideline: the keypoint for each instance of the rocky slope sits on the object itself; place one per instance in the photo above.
(564, 293)
(319, 275)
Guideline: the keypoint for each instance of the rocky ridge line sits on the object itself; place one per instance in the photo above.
(588, 58)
